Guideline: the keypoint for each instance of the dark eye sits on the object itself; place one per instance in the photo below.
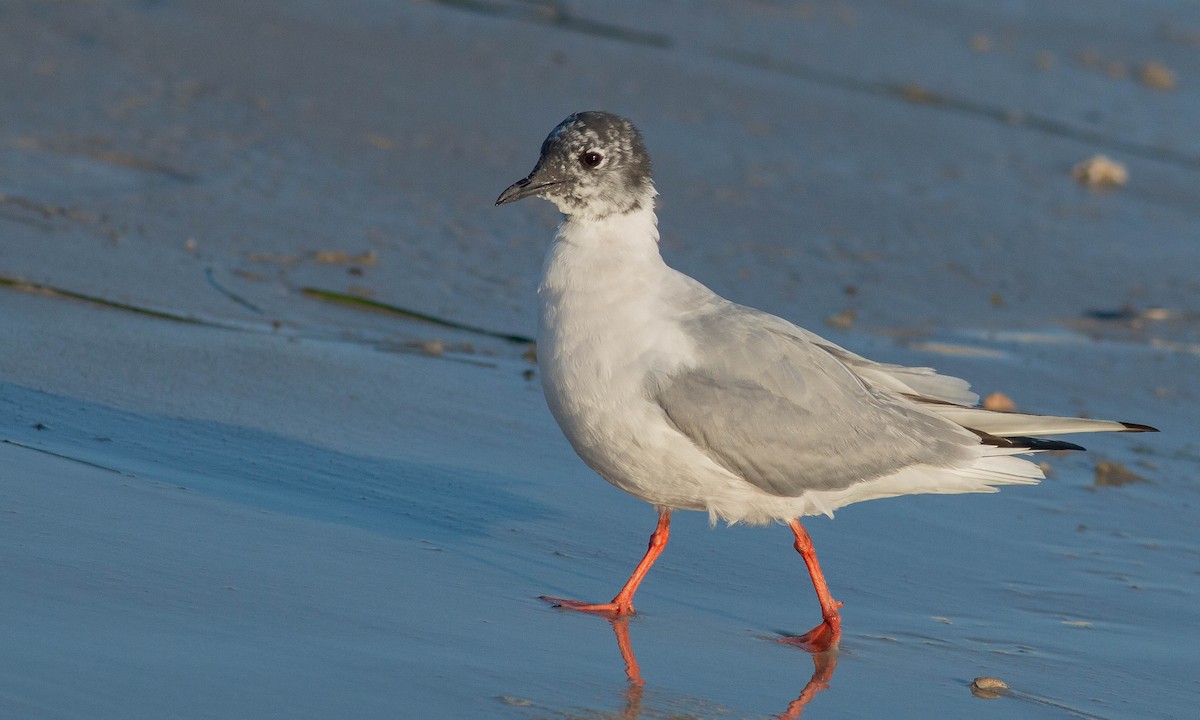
(590, 158)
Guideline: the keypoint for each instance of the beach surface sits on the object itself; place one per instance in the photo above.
(272, 438)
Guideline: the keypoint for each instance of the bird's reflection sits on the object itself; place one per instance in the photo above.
(823, 666)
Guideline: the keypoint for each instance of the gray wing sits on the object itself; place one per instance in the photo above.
(787, 415)
(920, 383)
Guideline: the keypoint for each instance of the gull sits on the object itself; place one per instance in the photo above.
(691, 402)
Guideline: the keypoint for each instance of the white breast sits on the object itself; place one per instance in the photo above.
(605, 324)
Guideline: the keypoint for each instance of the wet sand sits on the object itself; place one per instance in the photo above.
(272, 439)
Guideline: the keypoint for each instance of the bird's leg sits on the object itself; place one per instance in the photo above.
(622, 604)
(828, 634)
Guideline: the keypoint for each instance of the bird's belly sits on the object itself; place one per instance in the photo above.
(632, 449)
(603, 407)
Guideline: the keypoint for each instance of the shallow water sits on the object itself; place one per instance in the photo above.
(224, 494)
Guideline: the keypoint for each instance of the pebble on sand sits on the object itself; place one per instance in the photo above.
(1113, 474)
(988, 688)
(1100, 171)
(1156, 75)
(999, 402)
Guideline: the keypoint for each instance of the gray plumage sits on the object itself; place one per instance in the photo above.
(788, 416)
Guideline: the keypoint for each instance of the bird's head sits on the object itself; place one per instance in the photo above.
(592, 164)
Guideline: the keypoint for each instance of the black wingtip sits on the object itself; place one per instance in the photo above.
(1134, 427)
(1031, 444)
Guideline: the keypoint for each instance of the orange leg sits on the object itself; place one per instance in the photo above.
(828, 634)
(622, 604)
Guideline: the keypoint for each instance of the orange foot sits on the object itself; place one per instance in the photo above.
(822, 638)
(615, 609)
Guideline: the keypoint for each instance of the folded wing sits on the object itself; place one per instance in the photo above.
(791, 412)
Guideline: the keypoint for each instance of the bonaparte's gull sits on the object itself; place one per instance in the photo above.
(689, 401)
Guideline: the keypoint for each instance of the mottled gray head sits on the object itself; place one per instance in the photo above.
(593, 163)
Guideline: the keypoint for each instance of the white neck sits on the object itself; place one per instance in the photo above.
(612, 256)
